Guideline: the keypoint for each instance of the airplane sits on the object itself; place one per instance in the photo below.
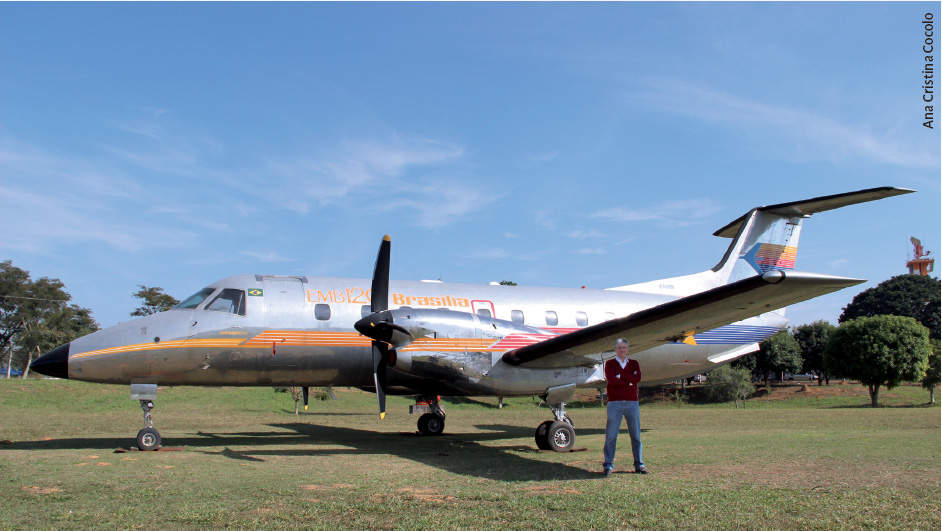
(432, 339)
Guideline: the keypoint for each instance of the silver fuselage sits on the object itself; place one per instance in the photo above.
(298, 331)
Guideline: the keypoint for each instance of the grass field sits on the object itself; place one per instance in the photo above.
(801, 458)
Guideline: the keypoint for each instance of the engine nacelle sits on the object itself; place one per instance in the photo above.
(439, 358)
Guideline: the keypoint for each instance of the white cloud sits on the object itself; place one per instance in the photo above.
(592, 251)
(270, 256)
(798, 134)
(592, 233)
(355, 169)
(672, 213)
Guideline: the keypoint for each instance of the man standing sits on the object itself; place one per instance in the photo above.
(623, 376)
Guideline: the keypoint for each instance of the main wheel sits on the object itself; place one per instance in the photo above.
(540, 436)
(560, 436)
(148, 439)
(431, 424)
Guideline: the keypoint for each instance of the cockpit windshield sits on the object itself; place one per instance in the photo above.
(195, 299)
(230, 300)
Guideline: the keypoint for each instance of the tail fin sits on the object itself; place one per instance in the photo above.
(764, 239)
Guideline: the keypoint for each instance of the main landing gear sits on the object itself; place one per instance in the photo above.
(558, 435)
(432, 422)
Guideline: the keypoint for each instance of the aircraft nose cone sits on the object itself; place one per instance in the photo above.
(53, 363)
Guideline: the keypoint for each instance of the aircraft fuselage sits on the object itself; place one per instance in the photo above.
(256, 330)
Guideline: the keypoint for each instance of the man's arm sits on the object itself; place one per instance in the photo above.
(634, 372)
(611, 374)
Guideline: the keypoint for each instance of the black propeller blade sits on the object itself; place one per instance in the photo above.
(380, 287)
(379, 325)
(380, 353)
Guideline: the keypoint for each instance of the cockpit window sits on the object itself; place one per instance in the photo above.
(195, 299)
(230, 301)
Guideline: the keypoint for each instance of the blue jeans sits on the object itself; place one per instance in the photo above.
(617, 410)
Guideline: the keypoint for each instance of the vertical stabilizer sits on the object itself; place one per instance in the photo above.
(764, 239)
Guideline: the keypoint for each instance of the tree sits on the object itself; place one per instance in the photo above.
(933, 371)
(779, 353)
(728, 383)
(882, 350)
(507, 283)
(35, 316)
(155, 301)
(812, 338)
(296, 395)
(913, 296)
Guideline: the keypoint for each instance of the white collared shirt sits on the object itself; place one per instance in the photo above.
(622, 363)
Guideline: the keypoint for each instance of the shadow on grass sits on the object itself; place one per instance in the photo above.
(468, 454)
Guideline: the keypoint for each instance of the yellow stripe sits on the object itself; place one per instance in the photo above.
(295, 338)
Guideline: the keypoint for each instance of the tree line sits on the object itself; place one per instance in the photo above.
(887, 335)
(36, 316)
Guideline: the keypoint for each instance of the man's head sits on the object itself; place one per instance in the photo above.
(621, 348)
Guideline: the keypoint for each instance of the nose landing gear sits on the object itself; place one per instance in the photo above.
(148, 438)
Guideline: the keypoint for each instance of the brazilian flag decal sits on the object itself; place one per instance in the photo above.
(255, 292)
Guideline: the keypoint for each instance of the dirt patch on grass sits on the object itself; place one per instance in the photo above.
(42, 490)
(550, 489)
(425, 494)
(335, 486)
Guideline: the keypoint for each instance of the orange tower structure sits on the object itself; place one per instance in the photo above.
(920, 264)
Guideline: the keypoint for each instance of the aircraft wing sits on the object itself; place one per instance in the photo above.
(679, 319)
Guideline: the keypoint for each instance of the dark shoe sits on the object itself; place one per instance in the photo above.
(607, 472)
(641, 470)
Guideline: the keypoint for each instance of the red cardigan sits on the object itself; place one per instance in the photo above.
(622, 383)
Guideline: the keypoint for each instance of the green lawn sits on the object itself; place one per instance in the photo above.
(795, 460)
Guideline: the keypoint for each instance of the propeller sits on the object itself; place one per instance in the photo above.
(379, 326)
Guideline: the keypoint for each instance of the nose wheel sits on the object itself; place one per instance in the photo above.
(148, 438)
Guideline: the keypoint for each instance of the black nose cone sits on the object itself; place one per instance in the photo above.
(53, 363)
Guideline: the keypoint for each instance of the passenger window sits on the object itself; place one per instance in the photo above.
(195, 299)
(365, 310)
(551, 318)
(230, 301)
(609, 316)
(484, 312)
(322, 312)
(582, 319)
(516, 316)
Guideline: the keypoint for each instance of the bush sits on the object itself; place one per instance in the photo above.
(726, 383)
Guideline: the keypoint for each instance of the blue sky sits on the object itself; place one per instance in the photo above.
(552, 144)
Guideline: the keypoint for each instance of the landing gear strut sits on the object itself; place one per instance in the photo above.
(433, 422)
(148, 438)
(558, 435)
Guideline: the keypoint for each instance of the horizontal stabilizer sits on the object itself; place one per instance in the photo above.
(818, 204)
(681, 318)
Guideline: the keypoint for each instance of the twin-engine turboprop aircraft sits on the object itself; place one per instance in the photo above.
(430, 338)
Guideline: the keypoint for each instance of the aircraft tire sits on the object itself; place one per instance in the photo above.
(560, 436)
(431, 424)
(148, 439)
(542, 442)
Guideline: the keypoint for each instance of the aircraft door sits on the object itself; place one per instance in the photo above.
(284, 311)
(284, 303)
